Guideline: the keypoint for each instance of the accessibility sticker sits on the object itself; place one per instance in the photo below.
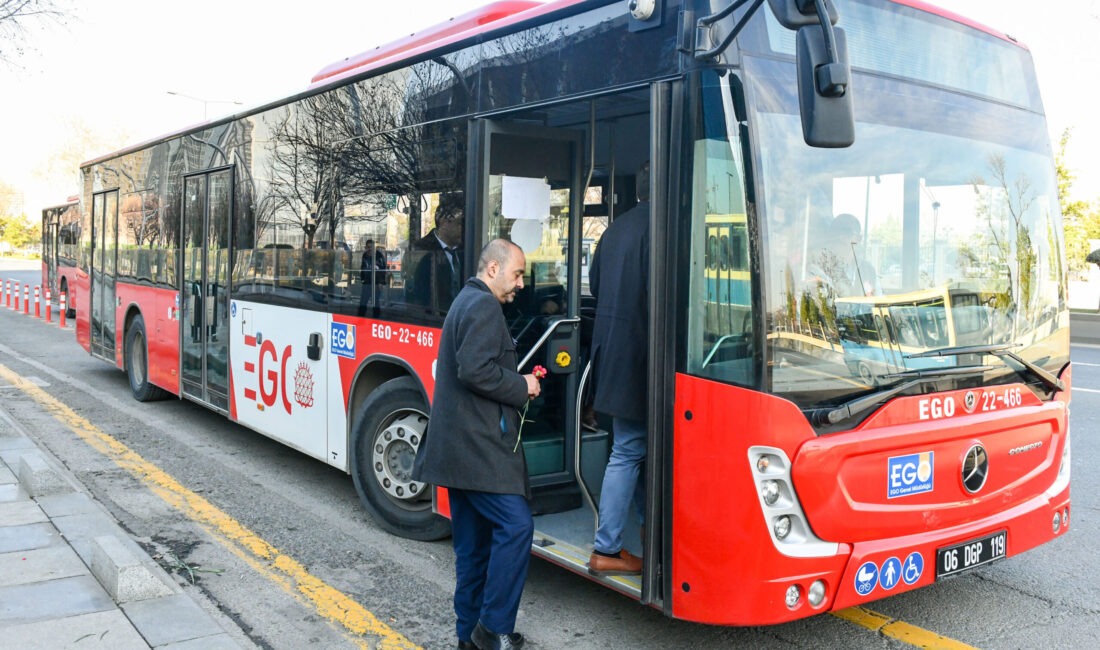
(913, 567)
(890, 573)
(866, 578)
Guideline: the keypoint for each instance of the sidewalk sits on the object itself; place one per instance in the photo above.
(71, 578)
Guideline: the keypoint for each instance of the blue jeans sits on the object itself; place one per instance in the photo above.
(621, 483)
(492, 541)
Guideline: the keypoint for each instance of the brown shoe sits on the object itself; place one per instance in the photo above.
(624, 564)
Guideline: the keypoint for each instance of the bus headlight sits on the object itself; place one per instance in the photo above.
(816, 595)
(782, 527)
(783, 518)
(769, 490)
(794, 596)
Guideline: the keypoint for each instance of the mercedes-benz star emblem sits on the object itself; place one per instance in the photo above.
(970, 401)
(975, 468)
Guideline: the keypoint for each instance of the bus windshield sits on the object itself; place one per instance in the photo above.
(938, 227)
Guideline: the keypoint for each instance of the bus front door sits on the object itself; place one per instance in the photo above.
(528, 191)
(551, 179)
(204, 292)
(102, 291)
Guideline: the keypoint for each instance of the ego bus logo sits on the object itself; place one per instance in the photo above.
(911, 474)
(276, 380)
(342, 340)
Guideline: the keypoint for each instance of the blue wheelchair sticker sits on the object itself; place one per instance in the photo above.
(913, 568)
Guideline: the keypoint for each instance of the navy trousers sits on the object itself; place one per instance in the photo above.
(492, 536)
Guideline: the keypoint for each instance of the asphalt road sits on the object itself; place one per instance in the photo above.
(309, 514)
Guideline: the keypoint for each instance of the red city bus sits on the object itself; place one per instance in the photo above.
(60, 248)
(231, 264)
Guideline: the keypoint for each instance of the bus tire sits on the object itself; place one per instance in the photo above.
(136, 361)
(386, 433)
(70, 304)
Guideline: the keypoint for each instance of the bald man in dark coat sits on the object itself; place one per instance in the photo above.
(472, 447)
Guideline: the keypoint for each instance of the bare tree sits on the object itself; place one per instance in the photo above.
(80, 143)
(16, 17)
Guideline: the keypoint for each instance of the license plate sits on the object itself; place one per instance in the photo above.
(967, 555)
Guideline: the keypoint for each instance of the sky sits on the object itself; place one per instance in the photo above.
(113, 66)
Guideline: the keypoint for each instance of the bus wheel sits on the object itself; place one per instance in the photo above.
(137, 364)
(386, 435)
(70, 304)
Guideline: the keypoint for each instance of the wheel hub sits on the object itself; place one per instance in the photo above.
(393, 454)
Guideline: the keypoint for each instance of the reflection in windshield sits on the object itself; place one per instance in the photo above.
(934, 234)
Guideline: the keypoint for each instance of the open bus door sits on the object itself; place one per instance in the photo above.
(552, 189)
(527, 189)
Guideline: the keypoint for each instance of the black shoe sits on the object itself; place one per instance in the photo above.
(483, 639)
(515, 637)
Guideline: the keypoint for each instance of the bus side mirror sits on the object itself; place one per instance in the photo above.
(793, 14)
(824, 88)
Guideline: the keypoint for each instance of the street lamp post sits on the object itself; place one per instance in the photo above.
(205, 102)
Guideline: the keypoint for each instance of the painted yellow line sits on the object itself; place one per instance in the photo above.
(267, 560)
(900, 630)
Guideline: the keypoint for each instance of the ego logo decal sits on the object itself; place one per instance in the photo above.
(911, 474)
(342, 340)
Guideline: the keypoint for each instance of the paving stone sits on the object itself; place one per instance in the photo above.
(17, 513)
(6, 475)
(41, 601)
(81, 529)
(215, 642)
(12, 492)
(7, 426)
(12, 448)
(27, 537)
(109, 630)
(172, 619)
(50, 563)
(71, 503)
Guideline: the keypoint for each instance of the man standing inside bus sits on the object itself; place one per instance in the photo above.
(619, 280)
(434, 261)
(472, 447)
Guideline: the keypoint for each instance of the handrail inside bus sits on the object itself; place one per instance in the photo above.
(550, 329)
(577, 447)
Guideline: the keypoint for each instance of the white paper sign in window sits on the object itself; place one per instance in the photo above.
(525, 198)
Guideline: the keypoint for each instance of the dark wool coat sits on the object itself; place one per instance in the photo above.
(471, 439)
(619, 280)
(430, 282)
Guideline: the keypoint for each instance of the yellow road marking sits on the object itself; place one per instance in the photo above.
(900, 630)
(267, 560)
(328, 601)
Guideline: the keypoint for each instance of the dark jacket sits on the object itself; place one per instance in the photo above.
(365, 267)
(619, 280)
(470, 443)
(430, 281)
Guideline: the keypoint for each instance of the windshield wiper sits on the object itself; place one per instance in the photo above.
(851, 408)
(998, 350)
